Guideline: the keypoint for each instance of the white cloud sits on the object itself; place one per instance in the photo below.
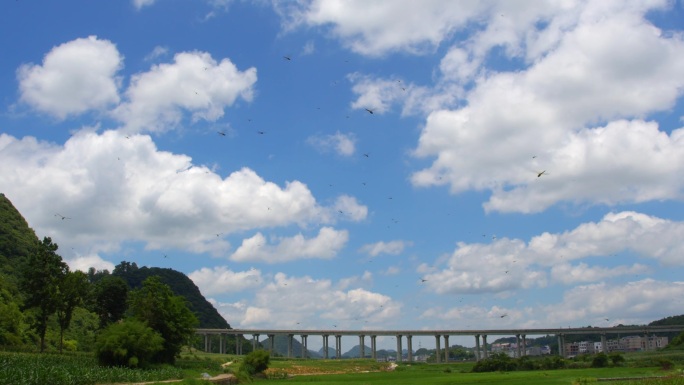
(75, 77)
(648, 236)
(578, 109)
(85, 262)
(636, 302)
(376, 95)
(633, 303)
(118, 188)
(194, 82)
(221, 280)
(319, 304)
(325, 245)
(138, 4)
(392, 247)
(374, 28)
(342, 144)
(511, 264)
(157, 52)
(347, 207)
(582, 272)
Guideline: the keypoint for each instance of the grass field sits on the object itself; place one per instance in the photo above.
(77, 369)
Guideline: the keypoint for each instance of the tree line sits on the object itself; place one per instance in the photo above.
(131, 327)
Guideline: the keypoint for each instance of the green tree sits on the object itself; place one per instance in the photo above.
(40, 280)
(109, 296)
(71, 292)
(166, 313)
(11, 317)
(128, 343)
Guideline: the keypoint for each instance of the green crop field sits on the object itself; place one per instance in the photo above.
(30, 369)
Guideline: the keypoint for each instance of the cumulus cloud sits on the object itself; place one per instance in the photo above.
(75, 77)
(342, 144)
(325, 245)
(374, 29)
(576, 111)
(636, 302)
(85, 262)
(582, 272)
(118, 188)
(319, 302)
(221, 280)
(194, 83)
(392, 247)
(512, 264)
(633, 303)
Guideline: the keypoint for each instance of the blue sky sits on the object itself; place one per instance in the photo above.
(523, 164)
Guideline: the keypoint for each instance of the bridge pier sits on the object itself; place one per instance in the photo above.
(604, 347)
(289, 345)
(325, 346)
(400, 352)
(373, 348)
(409, 345)
(561, 345)
(305, 349)
(255, 339)
(271, 343)
(238, 344)
(338, 346)
(362, 347)
(484, 345)
(524, 345)
(437, 349)
(517, 345)
(221, 343)
(206, 343)
(477, 347)
(446, 348)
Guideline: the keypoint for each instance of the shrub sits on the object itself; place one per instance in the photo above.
(665, 364)
(600, 361)
(553, 362)
(496, 362)
(255, 362)
(617, 358)
(127, 343)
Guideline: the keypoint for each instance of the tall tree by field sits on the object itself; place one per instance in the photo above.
(155, 304)
(40, 281)
(109, 296)
(71, 292)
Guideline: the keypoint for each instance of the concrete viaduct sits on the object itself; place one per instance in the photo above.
(480, 349)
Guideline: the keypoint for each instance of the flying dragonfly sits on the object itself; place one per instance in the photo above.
(222, 133)
(369, 111)
(287, 58)
(541, 173)
(62, 217)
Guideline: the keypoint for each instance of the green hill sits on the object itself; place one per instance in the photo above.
(180, 284)
(18, 240)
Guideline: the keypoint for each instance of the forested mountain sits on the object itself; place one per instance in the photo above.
(18, 241)
(180, 285)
